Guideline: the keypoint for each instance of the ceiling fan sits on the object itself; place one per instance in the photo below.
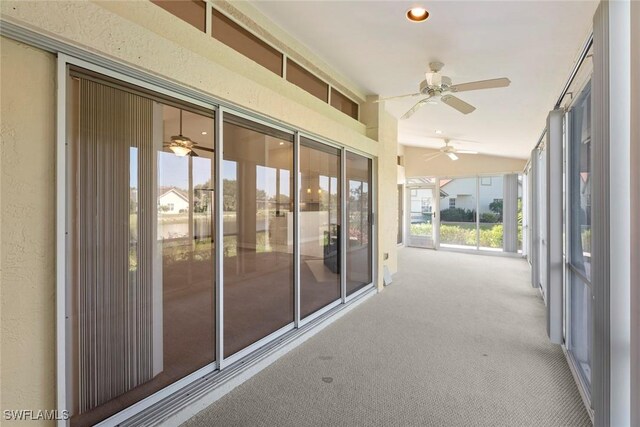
(449, 150)
(436, 86)
(183, 145)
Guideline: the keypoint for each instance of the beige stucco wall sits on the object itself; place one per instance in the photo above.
(383, 127)
(147, 37)
(144, 36)
(466, 165)
(27, 221)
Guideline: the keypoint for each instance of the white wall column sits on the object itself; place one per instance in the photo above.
(635, 208)
(535, 220)
(611, 215)
(555, 217)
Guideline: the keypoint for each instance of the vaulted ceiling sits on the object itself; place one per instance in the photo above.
(371, 43)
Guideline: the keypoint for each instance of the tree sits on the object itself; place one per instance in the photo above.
(496, 206)
(229, 194)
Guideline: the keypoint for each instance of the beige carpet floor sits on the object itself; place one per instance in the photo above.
(456, 340)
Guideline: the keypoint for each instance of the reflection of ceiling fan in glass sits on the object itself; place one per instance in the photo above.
(183, 145)
(449, 150)
(437, 86)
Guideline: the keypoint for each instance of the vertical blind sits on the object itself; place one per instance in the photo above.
(114, 241)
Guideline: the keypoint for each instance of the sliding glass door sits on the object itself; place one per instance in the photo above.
(481, 213)
(579, 293)
(258, 213)
(141, 237)
(320, 233)
(152, 302)
(422, 216)
(458, 213)
(359, 246)
(490, 209)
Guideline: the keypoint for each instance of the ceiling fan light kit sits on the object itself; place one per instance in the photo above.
(182, 145)
(450, 151)
(179, 150)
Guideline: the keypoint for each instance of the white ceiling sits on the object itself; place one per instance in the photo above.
(533, 43)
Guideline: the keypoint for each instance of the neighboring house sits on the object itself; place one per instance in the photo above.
(461, 193)
(173, 201)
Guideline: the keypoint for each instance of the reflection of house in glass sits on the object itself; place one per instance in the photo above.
(173, 201)
(173, 216)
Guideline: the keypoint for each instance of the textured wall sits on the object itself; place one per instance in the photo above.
(383, 127)
(466, 165)
(149, 38)
(27, 227)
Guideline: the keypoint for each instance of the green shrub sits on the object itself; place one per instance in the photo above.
(455, 235)
(489, 217)
(421, 229)
(492, 237)
(457, 215)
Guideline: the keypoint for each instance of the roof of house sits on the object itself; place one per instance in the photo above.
(163, 191)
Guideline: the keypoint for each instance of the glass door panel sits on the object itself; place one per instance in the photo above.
(359, 249)
(580, 325)
(421, 217)
(320, 235)
(580, 304)
(258, 232)
(143, 273)
(490, 198)
(458, 213)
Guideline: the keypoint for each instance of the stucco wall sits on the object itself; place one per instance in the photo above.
(383, 127)
(147, 37)
(466, 165)
(27, 221)
(387, 191)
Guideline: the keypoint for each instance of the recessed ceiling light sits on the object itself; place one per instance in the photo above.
(438, 132)
(417, 14)
(281, 143)
(204, 133)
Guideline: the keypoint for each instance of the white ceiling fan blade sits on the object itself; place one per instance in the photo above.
(466, 152)
(458, 104)
(397, 97)
(452, 156)
(431, 157)
(414, 109)
(481, 84)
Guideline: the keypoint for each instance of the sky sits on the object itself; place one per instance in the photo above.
(173, 171)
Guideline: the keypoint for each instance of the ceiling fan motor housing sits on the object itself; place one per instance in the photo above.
(427, 89)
